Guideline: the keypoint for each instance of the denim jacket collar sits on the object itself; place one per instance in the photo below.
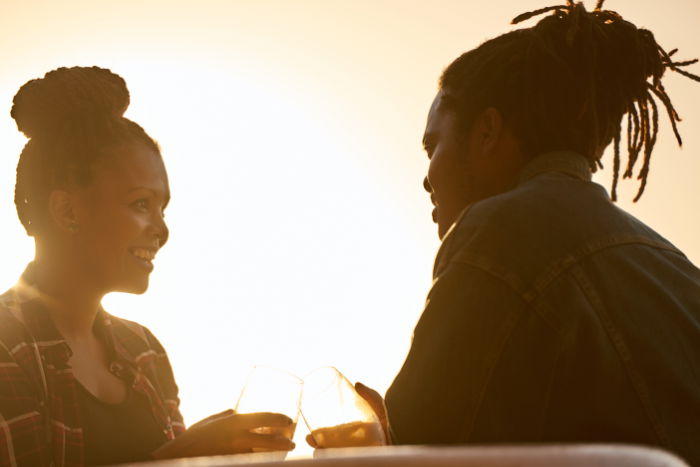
(567, 162)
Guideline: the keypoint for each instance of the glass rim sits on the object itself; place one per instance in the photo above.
(275, 369)
(278, 371)
(327, 367)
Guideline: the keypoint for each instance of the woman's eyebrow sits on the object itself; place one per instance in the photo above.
(154, 192)
(143, 187)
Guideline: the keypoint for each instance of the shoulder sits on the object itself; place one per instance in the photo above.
(537, 223)
(13, 332)
(20, 362)
(8, 304)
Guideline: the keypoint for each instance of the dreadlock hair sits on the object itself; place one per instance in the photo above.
(71, 117)
(567, 82)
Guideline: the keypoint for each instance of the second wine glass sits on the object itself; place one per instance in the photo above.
(336, 414)
(271, 390)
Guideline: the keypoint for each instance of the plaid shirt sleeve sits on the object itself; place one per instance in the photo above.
(23, 440)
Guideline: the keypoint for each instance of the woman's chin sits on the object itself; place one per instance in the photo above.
(133, 287)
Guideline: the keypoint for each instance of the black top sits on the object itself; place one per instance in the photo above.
(118, 433)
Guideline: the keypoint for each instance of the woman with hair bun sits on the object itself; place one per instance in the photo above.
(77, 385)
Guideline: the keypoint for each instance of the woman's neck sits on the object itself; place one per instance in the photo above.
(74, 304)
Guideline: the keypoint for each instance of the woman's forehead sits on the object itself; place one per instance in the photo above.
(131, 165)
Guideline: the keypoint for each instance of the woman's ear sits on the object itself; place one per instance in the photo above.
(489, 129)
(63, 212)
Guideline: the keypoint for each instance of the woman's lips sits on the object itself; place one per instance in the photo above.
(144, 253)
(144, 257)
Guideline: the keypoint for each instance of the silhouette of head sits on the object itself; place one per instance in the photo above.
(568, 83)
(91, 186)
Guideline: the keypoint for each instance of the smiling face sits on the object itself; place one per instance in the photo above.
(467, 164)
(121, 224)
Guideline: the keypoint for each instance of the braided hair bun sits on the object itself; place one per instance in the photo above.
(42, 107)
(71, 117)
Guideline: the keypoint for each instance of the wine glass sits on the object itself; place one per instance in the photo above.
(337, 416)
(272, 390)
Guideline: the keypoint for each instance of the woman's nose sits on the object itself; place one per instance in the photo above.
(161, 230)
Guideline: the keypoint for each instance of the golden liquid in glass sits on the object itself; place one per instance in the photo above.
(353, 434)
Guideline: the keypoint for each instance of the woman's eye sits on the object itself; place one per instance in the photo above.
(141, 204)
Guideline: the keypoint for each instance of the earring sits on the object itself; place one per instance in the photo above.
(73, 227)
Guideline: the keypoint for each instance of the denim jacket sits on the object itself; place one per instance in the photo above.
(554, 316)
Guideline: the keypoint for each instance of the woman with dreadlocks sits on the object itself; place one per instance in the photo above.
(554, 316)
(77, 385)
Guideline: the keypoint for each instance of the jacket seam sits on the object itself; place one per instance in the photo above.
(531, 294)
(507, 278)
(559, 266)
(624, 354)
(510, 323)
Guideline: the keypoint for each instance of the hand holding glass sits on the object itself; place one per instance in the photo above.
(336, 414)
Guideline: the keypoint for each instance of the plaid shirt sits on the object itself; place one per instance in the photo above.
(39, 414)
